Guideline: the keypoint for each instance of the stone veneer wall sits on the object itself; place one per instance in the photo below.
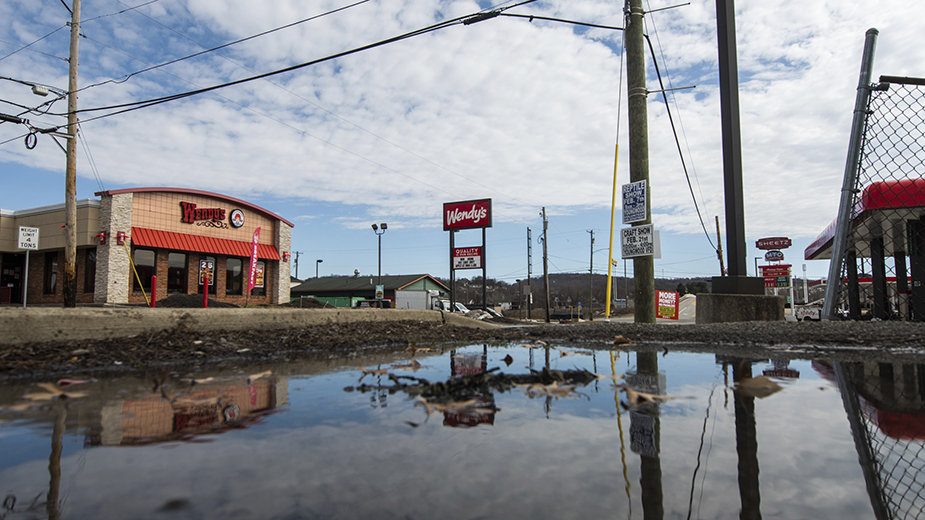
(284, 244)
(112, 261)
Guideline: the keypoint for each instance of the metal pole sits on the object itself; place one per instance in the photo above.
(25, 287)
(732, 137)
(643, 266)
(805, 286)
(70, 181)
(379, 280)
(843, 221)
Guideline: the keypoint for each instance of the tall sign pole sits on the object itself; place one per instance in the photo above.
(70, 182)
(643, 266)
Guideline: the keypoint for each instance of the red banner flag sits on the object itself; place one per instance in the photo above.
(250, 280)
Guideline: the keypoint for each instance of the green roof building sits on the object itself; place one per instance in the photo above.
(345, 291)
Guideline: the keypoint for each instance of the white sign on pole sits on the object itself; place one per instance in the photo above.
(634, 202)
(637, 241)
(28, 238)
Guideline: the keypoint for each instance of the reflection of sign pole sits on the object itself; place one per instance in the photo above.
(28, 240)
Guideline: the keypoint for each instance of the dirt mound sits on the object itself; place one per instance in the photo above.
(190, 301)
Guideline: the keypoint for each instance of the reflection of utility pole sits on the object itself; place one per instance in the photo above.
(546, 263)
(643, 266)
(746, 445)
(70, 176)
(650, 465)
(54, 461)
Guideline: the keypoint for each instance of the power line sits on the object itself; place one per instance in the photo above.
(119, 12)
(135, 105)
(129, 76)
(33, 43)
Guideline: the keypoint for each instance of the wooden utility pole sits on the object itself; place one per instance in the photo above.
(591, 280)
(643, 266)
(70, 181)
(545, 263)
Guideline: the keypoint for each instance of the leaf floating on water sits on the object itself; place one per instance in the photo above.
(621, 340)
(551, 390)
(602, 376)
(759, 387)
(255, 377)
(637, 398)
(52, 392)
(376, 372)
(508, 359)
(469, 406)
(414, 365)
(536, 344)
(577, 353)
(67, 382)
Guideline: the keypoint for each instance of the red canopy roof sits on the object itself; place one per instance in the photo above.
(183, 242)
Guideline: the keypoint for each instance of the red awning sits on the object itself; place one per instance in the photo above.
(182, 242)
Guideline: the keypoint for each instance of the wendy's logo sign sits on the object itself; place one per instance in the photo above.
(467, 214)
(236, 218)
(190, 213)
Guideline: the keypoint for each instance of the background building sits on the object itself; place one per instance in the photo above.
(168, 232)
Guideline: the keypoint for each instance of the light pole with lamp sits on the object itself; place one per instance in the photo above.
(379, 231)
(316, 267)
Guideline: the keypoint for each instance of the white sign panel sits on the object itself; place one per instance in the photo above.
(28, 238)
(634, 202)
(637, 241)
(467, 258)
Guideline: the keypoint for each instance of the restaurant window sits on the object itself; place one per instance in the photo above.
(234, 276)
(176, 273)
(90, 270)
(144, 260)
(260, 288)
(51, 273)
(210, 261)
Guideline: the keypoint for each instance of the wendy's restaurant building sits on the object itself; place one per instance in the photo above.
(183, 237)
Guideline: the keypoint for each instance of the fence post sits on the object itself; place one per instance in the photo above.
(843, 221)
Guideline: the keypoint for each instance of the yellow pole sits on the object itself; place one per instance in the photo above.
(136, 274)
(613, 209)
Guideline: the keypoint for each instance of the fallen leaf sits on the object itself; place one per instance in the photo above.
(621, 340)
(508, 360)
(414, 365)
(637, 398)
(759, 387)
(578, 353)
(255, 377)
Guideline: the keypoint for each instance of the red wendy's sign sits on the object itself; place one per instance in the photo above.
(773, 243)
(467, 214)
(191, 213)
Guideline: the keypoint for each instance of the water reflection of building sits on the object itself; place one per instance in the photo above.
(208, 408)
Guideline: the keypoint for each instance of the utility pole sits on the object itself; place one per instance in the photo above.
(70, 178)
(591, 279)
(529, 294)
(546, 262)
(297, 253)
(643, 266)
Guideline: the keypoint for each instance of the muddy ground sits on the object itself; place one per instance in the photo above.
(884, 341)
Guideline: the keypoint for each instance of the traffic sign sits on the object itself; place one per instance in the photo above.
(28, 238)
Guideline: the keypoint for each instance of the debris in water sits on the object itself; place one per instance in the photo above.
(254, 377)
(759, 387)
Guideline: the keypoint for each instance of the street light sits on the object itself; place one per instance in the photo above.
(316, 267)
(379, 231)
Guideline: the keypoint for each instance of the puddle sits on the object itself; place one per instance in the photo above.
(475, 432)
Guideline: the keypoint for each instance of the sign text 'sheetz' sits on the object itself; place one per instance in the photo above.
(773, 243)
(467, 258)
(191, 213)
(467, 214)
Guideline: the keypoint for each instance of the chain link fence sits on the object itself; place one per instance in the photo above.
(885, 258)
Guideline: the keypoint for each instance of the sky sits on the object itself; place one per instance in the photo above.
(525, 112)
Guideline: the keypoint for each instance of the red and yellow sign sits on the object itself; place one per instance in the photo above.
(667, 305)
